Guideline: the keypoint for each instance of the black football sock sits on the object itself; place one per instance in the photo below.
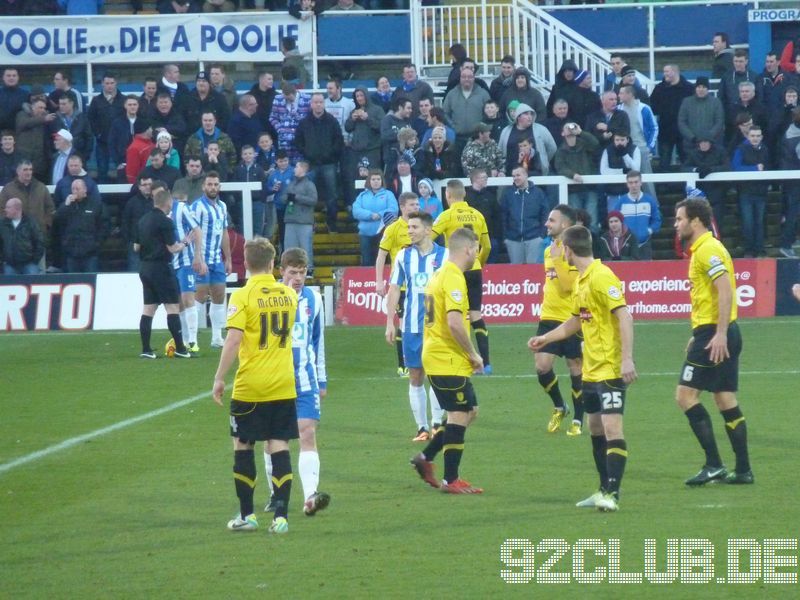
(281, 481)
(244, 476)
(700, 422)
(616, 457)
(577, 398)
(174, 325)
(453, 449)
(398, 346)
(482, 340)
(549, 383)
(434, 445)
(600, 460)
(736, 428)
(145, 330)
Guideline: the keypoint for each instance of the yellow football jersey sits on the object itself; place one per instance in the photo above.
(709, 260)
(265, 311)
(597, 293)
(395, 237)
(441, 354)
(461, 214)
(558, 283)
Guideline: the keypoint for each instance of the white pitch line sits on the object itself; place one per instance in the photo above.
(67, 444)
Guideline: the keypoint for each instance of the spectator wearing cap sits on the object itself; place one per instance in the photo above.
(701, 116)
(77, 124)
(21, 241)
(440, 159)
(705, 158)
(524, 126)
(369, 209)
(32, 124)
(64, 149)
(522, 91)
(429, 202)
(120, 135)
(666, 103)
(205, 99)
(105, 107)
(584, 100)
(139, 149)
(617, 242)
(164, 145)
(628, 77)
(404, 179)
(574, 159)
(463, 106)
(482, 152)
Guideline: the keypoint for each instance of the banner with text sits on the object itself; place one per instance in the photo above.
(513, 293)
(150, 38)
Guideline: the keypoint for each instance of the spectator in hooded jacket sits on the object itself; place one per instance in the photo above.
(369, 210)
(617, 242)
(521, 89)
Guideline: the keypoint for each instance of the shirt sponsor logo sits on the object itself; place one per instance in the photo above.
(614, 292)
(457, 296)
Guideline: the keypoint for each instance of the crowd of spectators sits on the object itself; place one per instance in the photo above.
(399, 140)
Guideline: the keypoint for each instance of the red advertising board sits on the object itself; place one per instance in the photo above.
(513, 293)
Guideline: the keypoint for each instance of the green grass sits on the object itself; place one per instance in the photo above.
(141, 512)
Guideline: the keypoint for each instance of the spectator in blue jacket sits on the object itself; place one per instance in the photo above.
(641, 211)
(275, 200)
(525, 209)
(369, 210)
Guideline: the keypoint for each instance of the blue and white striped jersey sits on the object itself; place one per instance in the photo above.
(413, 270)
(213, 220)
(308, 343)
(184, 220)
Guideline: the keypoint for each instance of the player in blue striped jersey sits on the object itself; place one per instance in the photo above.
(212, 216)
(308, 346)
(188, 263)
(413, 267)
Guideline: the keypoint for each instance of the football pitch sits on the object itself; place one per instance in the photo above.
(116, 481)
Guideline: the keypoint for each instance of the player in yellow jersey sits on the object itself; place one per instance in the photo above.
(460, 214)
(557, 308)
(712, 356)
(261, 316)
(449, 359)
(599, 310)
(395, 237)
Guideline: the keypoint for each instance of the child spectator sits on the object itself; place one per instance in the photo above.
(429, 202)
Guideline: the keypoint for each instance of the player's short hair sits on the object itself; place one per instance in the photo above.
(406, 196)
(426, 218)
(461, 238)
(578, 239)
(455, 189)
(258, 253)
(212, 175)
(294, 257)
(162, 197)
(568, 212)
(696, 208)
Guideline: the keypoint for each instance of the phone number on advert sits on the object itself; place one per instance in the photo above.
(503, 310)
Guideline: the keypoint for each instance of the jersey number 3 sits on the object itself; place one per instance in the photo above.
(278, 326)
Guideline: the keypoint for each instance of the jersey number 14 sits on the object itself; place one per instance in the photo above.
(276, 324)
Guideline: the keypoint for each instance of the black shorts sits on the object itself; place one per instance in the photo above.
(700, 373)
(159, 284)
(568, 348)
(474, 288)
(606, 397)
(455, 394)
(258, 421)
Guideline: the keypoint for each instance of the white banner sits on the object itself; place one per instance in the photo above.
(773, 15)
(223, 37)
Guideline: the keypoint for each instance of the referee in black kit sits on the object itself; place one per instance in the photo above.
(155, 243)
